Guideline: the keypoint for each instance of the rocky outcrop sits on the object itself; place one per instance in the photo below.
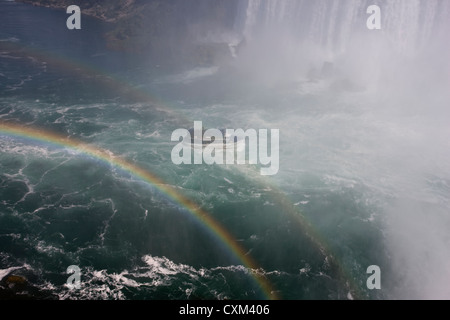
(169, 28)
(17, 287)
(111, 10)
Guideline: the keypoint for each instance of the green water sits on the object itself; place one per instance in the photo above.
(313, 229)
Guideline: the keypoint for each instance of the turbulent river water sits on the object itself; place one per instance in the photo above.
(364, 176)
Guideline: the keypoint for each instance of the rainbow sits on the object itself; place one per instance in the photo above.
(126, 89)
(341, 273)
(203, 217)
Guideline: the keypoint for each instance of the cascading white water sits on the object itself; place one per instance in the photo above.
(408, 25)
(403, 71)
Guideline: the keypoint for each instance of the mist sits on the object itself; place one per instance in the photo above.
(361, 170)
(385, 124)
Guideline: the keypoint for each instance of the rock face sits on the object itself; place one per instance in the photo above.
(14, 280)
(111, 10)
(170, 28)
(13, 286)
(17, 287)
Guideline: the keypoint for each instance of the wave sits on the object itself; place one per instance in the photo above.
(190, 75)
(175, 280)
(10, 39)
(5, 272)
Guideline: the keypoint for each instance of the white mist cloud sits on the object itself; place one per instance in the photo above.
(398, 141)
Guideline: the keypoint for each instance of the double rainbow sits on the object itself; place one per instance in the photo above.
(203, 217)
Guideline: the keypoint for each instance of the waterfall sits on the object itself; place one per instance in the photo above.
(407, 25)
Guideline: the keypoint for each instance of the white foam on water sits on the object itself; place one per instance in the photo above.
(301, 202)
(157, 272)
(48, 249)
(7, 56)
(227, 180)
(305, 270)
(190, 75)
(154, 134)
(7, 271)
